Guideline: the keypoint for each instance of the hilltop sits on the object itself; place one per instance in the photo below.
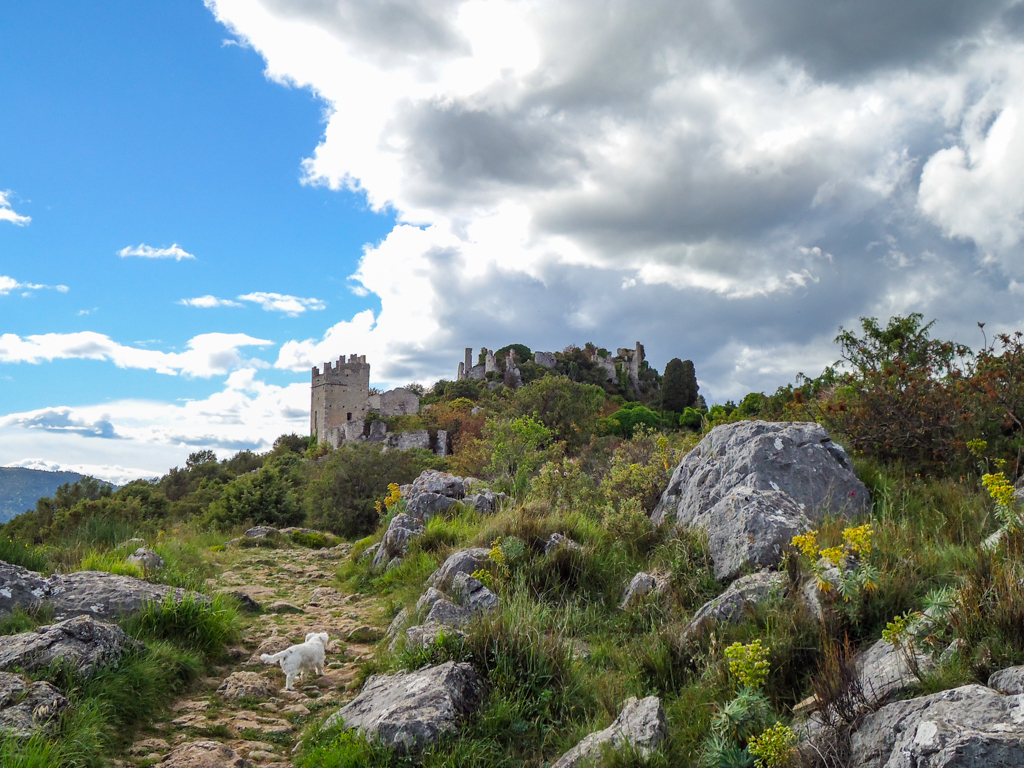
(587, 577)
(20, 488)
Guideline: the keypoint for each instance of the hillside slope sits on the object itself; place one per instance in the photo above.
(20, 488)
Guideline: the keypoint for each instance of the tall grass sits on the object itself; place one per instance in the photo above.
(203, 625)
(24, 554)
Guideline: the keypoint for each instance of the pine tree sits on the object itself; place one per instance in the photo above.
(678, 386)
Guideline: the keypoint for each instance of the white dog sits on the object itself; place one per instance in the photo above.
(299, 659)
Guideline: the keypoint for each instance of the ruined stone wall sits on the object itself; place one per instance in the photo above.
(340, 394)
(395, 402)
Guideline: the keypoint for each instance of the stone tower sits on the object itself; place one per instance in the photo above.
(340, 395)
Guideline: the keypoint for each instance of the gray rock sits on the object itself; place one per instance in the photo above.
(434, 481)
(1009, 680)
(81, 642)
(364, 635)
(396, 623)
(749, 528)
(884, 671)
(643, 584)
(409, 711)
(401, 531)
(146, 558)
(27, 708)
(445, 613)
(243, 685)
(798, 458)
(558, 540)
(472, 594)
(369, 552)
(424, 506)
(485, 501)
(811, 594)
(545, 359)
(107, 596)
(731, 606)
(407, 441)
(245, 601)
(283, 606)
(133, 544)
(204, 754)
(427, 600)
(21, 587)
(261, 532)
(393, 563)
(960, 728)
(422, 635)
(463, 561)
(641, 724)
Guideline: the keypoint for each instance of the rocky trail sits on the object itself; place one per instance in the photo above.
(242, 712)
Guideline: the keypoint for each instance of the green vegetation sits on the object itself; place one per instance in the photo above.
(935, 433)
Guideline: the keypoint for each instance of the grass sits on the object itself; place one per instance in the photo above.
(111, 562)
(204, 626)
(24, 554)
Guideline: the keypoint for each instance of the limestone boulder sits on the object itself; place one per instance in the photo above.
(240, 685)
(796, 458)
(486, 501)
(106, 596)
(422, 635)
(147, 559)
(82, 642)
(27, 708)
(731, 606)
(401, 531)
(464, 561)
(409, 711)
(21, 587)
(424, 506)
(473, 595)
(641, 725)
(434, 481)
(427, 600)
(1009, 680)
(560, 541)
(446, 613)
(884, 671)
(261, 532)
(545, 359)
(204, 754)
(397, 623)
(959, 728)
(749, 528)
(641, 585)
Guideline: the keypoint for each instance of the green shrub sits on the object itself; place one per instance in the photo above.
(265, 498)
(313, 539)
(204, 626)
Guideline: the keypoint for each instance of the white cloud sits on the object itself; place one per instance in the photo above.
(208, 301)
(115, 474)
(282, 302)
(208, 354)
(246, 414)
(149, 252)
(739, 159)
(8, 284)
(7, 213)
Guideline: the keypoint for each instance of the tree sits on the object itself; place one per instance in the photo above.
(517, 448)
(679, 386)
(568, 409)
(265, 498)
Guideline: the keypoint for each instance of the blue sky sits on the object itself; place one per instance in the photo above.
(292, 180)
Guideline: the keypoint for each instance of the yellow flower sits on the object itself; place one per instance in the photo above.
(807, 543)
(859, 539)
(748, 663)
(999, 488)
(834, 555)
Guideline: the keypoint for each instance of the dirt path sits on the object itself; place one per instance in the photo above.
(243, 704)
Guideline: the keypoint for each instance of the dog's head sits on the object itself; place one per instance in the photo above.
(319, 636)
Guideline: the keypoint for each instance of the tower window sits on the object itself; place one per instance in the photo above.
(348, 417)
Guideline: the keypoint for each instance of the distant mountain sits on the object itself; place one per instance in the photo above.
(20, 488)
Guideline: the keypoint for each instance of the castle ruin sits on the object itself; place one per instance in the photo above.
(341, 404)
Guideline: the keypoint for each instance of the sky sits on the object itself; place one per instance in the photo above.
(199, 202)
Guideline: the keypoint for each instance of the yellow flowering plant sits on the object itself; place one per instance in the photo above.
(857, 541)
(774, 748)
(748, 664)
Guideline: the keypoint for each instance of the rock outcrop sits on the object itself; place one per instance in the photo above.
(90, 593)
(464, 561)
(26, 708)
(433, 492)
(560, 541)
(401, 531)
(409, 711)
(1009, 680)
(960, 728)
(81, 642)
(239, 685)
(798, 458)
(641, 725)
(731, 606)
(146, 559)
(641, 585)
(884, 671)
(753, 484)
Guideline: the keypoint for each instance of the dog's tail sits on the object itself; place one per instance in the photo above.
(273, 658)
